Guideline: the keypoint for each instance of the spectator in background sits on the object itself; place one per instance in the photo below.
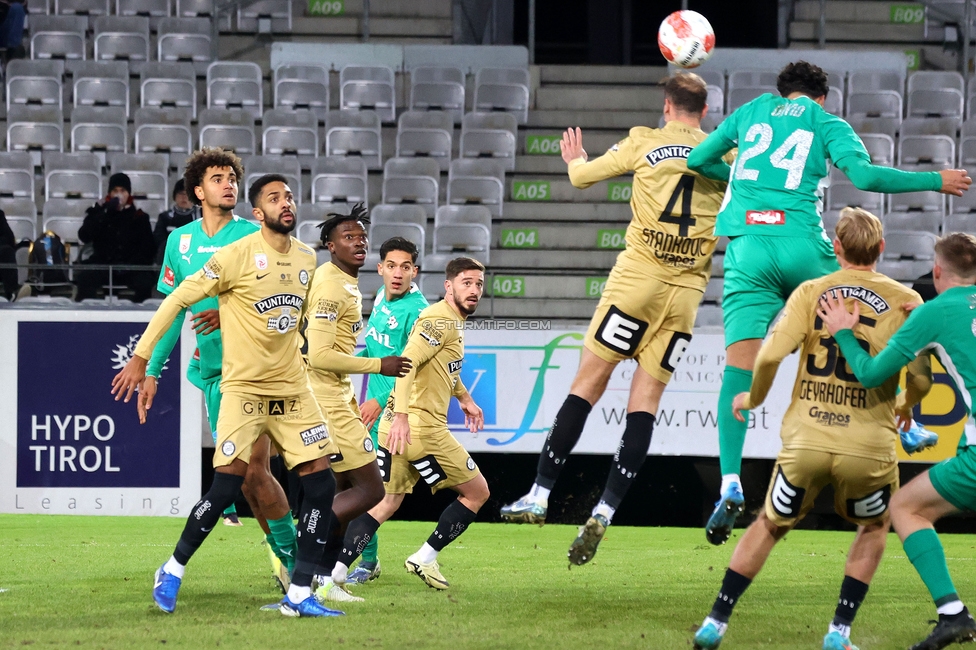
(180, 214)
(10, 288)
(925, 287)
(12, 15)
(119, 233)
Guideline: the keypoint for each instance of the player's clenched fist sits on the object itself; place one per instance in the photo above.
(395, 366)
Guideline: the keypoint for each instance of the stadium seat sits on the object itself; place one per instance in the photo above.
(909, 246)
(716, 100)
(16, 175)
(354, 133)
(291, 132)
(368, 87)
(713, 292)
(404, 213)
(264, 16)
(310, 215)
(152, 9)
(959, 223)
(72, 176)
(302, 86)
(843, 194)
(164, 131)
(380, 232)
(946, 104)
(35, 129)
(474, 181)
(35, 83)
(257, 166)
(103, 83)
(122, 38)
(752, 78)
(149, 173)
(830, 219)
(462, 214)
(918, 201)
(91, 8)
(881, 147)
(99, 130)
(489, 135)
(709, 316)
(927, 149)
(935, 80)
(412, 180)
(169, 85)
(339, 180)
(967, 151)
(913, 221)
(718, 266)
(236, 84)
(22, 227)
(64, 217)
(184, 39)
(964, 204)
(58, 37)
(231, 129)
(469, 238)
(40, 8)
(712, 77)
(427, 134)
(877, 111)
(740, 95)
(834, 103)
(502, 89)
(874, 80)
(438, 89)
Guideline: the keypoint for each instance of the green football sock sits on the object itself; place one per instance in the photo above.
(731, 432)
(231, 510)
(925, 552)
(285, 543)
(370, 552)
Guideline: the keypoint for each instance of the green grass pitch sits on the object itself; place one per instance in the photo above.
(86, 582)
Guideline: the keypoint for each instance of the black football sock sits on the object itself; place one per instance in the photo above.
(630, 457)
(206, 513)
(733, 586)
(333, 545)
(454, 520)
(313, 527)
(563, 436)
(852, 593)
(358, 533)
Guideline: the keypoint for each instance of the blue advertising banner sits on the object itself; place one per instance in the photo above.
(70, 430)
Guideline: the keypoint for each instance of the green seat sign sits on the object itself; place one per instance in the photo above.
(907, 14)
(520, 238)
(531, 191)
(542, 145)
(508, 286)
(595, 287)
(326, 7)
(613, 239)
(619, 192)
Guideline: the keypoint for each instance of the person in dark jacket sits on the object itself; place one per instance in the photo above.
(12, 16)
(182, 213)
(10, 288)
(119, 233)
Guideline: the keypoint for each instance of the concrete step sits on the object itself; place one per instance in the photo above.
(535, 308)
(591, 98)
(597, 118)
(865, 12)
(563, 236)
(347, 24)
(560, 189)
(546, 211)
(504, 258)
(576, 287)
(595, 142)
(402, 8)
(865, 32)
(601, 74)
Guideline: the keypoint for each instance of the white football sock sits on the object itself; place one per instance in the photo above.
(722, 627)
(603, 508)
(174, 568)
(727, 480)
(297, 594)
(339, 573)
(539, 493)
(426, 554)
(845, 630)
(951, 609)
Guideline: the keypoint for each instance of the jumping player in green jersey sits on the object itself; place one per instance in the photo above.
(772, 214)
(211, 178)
(396, 307)
(945, 326)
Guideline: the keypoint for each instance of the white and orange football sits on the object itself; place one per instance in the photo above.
(686, 39)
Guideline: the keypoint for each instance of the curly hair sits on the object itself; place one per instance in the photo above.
(198, 163)
(357, 213)
(802, 77)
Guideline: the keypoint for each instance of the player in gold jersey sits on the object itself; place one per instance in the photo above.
(261, 281)
(414, 441)
(648, 308)
(835, 431)
(334, 318)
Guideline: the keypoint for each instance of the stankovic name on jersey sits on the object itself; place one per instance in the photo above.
(674, 249)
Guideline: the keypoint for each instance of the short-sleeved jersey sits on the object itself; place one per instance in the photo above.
(946, 326)
(831, 411)
(436, 348)
(334, 320)
(778, 180)
(261, 294)
(671, 236)
(387, 330)
(187, 249)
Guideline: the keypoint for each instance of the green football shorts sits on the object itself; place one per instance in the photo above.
(955, 479)
(211, 394)
(761, 273)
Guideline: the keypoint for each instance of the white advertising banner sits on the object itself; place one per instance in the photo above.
(66, 445)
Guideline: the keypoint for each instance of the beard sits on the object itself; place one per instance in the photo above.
(464, 309)
(277, 226)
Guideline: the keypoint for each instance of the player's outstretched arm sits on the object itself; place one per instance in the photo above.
(582, 174)
(876, 178)
(918, 383)
(708, 157)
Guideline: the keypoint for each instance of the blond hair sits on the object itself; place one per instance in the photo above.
(860, 234)
(957, 252)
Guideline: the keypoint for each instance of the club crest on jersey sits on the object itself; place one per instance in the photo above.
(185, 243)
(303, 277)
(261, 261)
(284, 322)
(668, 152)
(868, 297)
(391, 322)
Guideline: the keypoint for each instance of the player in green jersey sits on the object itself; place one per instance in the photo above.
(945, 326)
(772, 214)
(397, 305)
(211, 178)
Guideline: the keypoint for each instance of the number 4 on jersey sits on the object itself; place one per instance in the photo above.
(684, 220)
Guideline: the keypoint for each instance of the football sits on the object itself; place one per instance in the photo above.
(686, 39)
